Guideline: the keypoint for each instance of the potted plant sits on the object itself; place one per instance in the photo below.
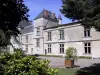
(71, 56)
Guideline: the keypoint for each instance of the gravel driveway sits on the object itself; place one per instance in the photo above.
(59, 62)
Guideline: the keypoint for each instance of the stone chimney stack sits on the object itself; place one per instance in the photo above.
(53, 15)
(59, 19)
(46, 13)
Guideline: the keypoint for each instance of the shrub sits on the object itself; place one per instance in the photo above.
(1, 70)
(71, 53)
(17, 64)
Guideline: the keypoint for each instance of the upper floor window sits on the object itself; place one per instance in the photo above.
(61, 48)
(61, 34)
(87, 48)
(26, 38)
(38, 31)
(38, 42)
(49, 35)
(49, 48)
(86, 32)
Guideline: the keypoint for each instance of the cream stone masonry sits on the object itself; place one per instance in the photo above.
(86, 41)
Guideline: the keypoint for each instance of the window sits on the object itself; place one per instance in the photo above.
(61, 48)
(26, 48)
(49, 48)
(27, 38)
(87, 48)
(38, 42)
(38, 31)
(49, 35)
(61, 34)
(31, 50)
(21, 38)
(86, 32)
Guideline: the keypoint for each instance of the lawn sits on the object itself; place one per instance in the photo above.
(66, 71)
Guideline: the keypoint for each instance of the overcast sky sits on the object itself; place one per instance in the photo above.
(36, 6)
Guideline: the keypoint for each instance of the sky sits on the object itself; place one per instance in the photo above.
(36, 6)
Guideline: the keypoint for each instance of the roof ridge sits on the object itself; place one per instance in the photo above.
(29, 26)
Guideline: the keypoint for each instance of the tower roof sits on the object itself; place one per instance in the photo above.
(47, 14)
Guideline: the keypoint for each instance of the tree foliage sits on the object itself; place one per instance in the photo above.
(86, 11)
(19, 64)
(11, 13)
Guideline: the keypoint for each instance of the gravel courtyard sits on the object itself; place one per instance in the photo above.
(59, 62)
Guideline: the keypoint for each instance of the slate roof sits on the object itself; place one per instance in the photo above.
(24, 23)
(42, 15)
(51, 24)
(60, 25)
(27, 29)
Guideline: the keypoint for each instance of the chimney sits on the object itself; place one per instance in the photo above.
(60, 19)
(46, 13)
(53, 15)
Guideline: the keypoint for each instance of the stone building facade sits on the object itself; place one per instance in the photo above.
(49, 35)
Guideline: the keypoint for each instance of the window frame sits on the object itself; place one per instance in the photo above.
(38, 42)
(87, 47)
(87, 32)
(26, 49)
(49, 48)
(31, 50)
(26, 38)
(61, 34)
(49, 36)
(38, 31)
(61, 47)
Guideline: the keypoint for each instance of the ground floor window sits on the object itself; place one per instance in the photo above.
(49, 48)
(38, 42)
(61, 48)
(26, 48)
(87, 48)
(31, 50)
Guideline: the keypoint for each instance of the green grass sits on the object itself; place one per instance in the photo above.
(66, 71)
(85, 57)
(80, 57)
(52, 56)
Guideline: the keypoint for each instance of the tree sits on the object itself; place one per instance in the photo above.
(86, 11)
(11, 13)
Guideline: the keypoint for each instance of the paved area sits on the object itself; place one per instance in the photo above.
(59, 62)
